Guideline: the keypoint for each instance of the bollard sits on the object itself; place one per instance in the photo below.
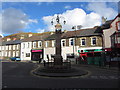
(44, 63)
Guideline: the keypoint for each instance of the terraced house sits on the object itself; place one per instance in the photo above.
(32, 47)
(11, 45)
(74, 42)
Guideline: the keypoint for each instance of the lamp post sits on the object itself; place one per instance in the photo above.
(74, 45)
(58, 27)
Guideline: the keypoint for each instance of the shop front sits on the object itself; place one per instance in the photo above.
(36, 54)
(91, 56)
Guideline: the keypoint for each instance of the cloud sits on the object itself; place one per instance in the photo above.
(67, 7)
(102, 9)
(40, 30)
(75, 17)
(14, 20)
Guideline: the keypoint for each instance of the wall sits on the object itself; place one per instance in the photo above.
(26, 50)
(108, 32)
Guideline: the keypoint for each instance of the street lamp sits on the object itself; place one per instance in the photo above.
(58, 27)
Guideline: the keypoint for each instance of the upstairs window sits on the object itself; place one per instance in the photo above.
(23, 45)
(63, 43)
(17, 47)
(46, 44)
(71, 42)
(118, 25)
(34, 44)
(28, 45)
(83, 42)
(53, 43)
(14, 47)
(10, 47)
(39, 44)
(93, 41)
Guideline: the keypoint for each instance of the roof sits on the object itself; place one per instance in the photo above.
(36, 38)
(11, 42)
(108, 23)
(79, 33)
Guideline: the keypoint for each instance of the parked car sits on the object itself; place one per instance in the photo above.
(18, 59)
(12, 58)
(15, 59)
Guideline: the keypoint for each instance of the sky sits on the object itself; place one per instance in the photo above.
(36, 17)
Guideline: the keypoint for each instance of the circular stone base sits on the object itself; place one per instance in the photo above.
(71, 72)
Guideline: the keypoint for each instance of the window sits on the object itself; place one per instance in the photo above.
(6, 54)
(93, 41)
(46, 44)
(118, 25)
(9, 47)
(14, 47)
(27, 54)
(118, 40)
(17, 53)
(23, 45)
(17, 47)
(83, 42)
(53, 43)
(34, 44)
(71, 42)
(13, 53)
(9, 54)
(39, 43)
(2, 47)
(6, 47)
(28, 45)
(63, 43)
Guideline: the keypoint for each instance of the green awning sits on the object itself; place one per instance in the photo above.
(97, 50)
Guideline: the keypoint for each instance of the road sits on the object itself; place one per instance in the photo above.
(18, 75)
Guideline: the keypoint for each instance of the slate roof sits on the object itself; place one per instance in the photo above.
(36, 38)
(11, 42)
(107, 24)
(79, 33)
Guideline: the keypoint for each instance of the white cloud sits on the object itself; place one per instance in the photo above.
(40, 30)
(67, 7)
(102, 9)
(14, 20)
(74, 17)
